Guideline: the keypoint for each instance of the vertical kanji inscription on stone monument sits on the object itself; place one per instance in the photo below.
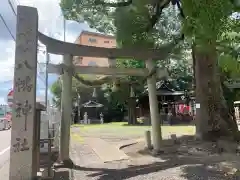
(24, 98)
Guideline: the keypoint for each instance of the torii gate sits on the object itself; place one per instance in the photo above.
(23, 146)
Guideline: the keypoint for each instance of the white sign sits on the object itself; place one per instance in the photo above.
(197, 105)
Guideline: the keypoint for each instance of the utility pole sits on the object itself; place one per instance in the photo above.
(64, 29)
(46, 83)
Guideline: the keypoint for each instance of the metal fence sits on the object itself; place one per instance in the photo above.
(49, 138)
(50, 125)
(4, 109)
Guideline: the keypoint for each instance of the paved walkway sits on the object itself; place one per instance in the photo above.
(101, 160)
(4, 171)
(88, 166)
(106, 151)
(88, 153)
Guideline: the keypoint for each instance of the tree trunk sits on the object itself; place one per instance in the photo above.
(197, 112)
(134, 115)
(229, 96)
(215, 120)
(129, 113)
(132, 111)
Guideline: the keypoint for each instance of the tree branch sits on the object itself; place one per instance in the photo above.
(160, 6)
(118, 4)
(154, 19)
(228, 49)
(180, 8)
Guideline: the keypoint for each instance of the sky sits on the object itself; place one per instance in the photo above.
(50, 23)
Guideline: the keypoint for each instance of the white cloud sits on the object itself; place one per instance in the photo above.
(7, 60)
(50, 23)
(48, 11)
(41, 92)
(2, 100)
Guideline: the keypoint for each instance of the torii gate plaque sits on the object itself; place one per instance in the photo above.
(22, 158)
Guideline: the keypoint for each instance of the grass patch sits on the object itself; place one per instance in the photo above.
(122, 126)
(106, 125)
(187, 130)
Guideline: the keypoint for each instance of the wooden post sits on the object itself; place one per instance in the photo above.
(66, 110)
(130, 111)
(22, 134)
(154, 113)
(133, 106)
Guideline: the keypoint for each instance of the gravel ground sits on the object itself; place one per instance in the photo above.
(88, 165)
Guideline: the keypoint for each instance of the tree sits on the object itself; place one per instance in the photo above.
(181, 75)
(132, 27)
(78, 89)
(203, 24)
(229, 62)
(113, 101)
(56, 90)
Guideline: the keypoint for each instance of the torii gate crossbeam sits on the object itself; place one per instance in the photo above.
(60, 47)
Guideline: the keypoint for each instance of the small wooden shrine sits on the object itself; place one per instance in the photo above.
(171, 103)
(92, 108)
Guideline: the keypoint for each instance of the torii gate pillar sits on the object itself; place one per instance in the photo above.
(153, 103)
(66, 110)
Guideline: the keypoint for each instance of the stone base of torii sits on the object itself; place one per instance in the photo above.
(24, 121)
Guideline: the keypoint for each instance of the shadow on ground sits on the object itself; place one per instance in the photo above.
(168, 125)
(202, 172)
(188, 167)
(193, 171)
(62, 175)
